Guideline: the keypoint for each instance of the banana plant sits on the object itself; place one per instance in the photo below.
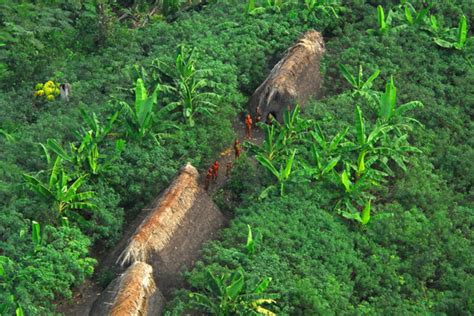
(273, 143)
(324, 154)
(60, 192)
(282, 174)
(390, 112)
(459, 41)
(84, 157)
(361, 86)
(98, 131)
(413, 17)
(362, 217)
(142, 116)
(328, 7)
(188, 88)
(384, 22)
(229, 294)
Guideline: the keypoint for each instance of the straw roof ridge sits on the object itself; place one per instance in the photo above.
(155, 232)
(135, 287)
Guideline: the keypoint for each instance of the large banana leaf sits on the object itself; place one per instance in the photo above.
(289, 165)
(462, 33)
(360, 126)
(236, 285)
(38, 187)
(388, 101)
(268, 165)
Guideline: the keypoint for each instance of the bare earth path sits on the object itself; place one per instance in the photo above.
(85, 295)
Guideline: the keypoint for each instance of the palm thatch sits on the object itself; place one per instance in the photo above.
(293, 80)
(156, 231)
(132, 293)
(135, 287)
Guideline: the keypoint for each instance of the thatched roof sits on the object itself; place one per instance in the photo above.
(132, 293)
(155, 232)
(135, 287)
(294, 79)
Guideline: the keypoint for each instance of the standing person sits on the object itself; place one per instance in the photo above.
(215, 170)
(209, 176)
(237, 149)
(248, 125)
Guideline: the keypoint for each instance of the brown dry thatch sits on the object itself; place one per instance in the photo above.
(294, 79)
(154, 234)
(135, 288)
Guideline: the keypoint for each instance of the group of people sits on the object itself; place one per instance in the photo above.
(213, 171)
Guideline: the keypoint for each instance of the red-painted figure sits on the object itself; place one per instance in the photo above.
(215, 170)
(237, 148)
(248, 125)
(209, 176)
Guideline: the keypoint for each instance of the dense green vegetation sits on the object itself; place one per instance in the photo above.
(362, 204)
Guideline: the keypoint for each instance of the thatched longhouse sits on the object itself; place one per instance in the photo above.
(171, 236)
(293, 80)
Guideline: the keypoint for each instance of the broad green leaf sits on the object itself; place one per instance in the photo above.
(55, 172)
(331, 164)
(289, 165)
(315, 156)
(37, 186)
(337, 139)
(262, 286)
(462, 33)
(441, 42)
(55, 147)
(381, 18)
(46, 154)
(368, 83)
(408, 107)
(420, 17)
(82, 205)
(360, 126)
(234, 289)
(250, 245)
(352, 216)
(408, 15)
(361, 163)
(266, 192)
(388, 101)
(19, 311)
(36, 233)
(268, 165)
(140, 95)
(434, 23)
(365, 216)
(73, 188)
(348, 76)
(345, 181)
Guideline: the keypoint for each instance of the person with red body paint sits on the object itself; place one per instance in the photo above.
(215, 170)
(248, 125)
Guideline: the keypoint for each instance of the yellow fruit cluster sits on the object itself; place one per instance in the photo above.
(49, 90)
